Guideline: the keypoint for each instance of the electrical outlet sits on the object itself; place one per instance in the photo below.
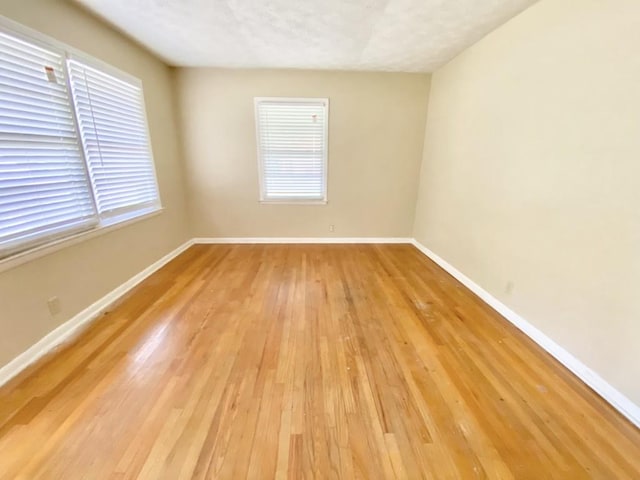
(331, 228)
(54, 306)
(509, 287)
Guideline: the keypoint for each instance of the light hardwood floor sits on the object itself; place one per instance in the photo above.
(307, 361)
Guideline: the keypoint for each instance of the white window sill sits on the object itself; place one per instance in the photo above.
(293, 202)
(106, 226)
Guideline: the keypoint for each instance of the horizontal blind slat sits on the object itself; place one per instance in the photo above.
(97, 100)
(25, 49)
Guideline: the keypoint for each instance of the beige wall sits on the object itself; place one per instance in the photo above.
(376, 127)
(531, 174)
(81, 274)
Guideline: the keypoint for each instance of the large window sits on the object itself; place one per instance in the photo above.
(292, 149)
(74, 147)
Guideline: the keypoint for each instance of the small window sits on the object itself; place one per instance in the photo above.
(292, 149)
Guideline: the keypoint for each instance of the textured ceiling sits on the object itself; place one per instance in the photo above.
(388, 35)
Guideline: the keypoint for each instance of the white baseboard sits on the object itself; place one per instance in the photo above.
(81, 320)
(221, 240)
(613, 396)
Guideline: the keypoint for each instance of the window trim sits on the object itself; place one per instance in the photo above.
(31, 251)
(292, 200)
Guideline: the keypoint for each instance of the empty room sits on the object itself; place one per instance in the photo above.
(342, 239)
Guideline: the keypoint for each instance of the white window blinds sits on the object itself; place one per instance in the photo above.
(44, 190)
(74, 143)
(113, 128)
(292, 149)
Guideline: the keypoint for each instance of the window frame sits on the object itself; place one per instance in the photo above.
(325, 160)
(103, 224)
(106, 218)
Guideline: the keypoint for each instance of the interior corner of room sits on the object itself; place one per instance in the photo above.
(513, 166)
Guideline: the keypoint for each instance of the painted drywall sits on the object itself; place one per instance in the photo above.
(530, 179)
(81, 274)
(376, 129)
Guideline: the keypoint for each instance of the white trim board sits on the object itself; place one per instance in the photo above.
(81, 320)
(598, 384)
(301, 240)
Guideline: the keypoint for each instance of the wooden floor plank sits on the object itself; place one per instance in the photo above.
(306, 361)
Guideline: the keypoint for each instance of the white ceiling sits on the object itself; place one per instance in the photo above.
(388, 35)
